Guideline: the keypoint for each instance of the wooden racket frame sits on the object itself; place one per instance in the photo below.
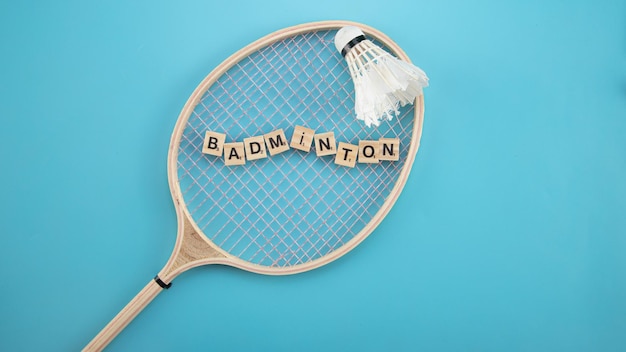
(194, 249)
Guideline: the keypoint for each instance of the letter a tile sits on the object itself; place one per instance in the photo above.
(234, 154)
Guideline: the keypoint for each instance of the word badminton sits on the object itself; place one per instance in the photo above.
(275, 142)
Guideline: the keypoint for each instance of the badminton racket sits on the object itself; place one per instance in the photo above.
(289, 212)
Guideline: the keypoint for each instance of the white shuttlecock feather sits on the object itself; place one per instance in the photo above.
(382, 82)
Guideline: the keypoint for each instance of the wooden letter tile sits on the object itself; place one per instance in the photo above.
(325, 144)
(255, 148)
(213, 143)
(368, 152)
(302, 138)
(276, 142)
(346, 154)
(234, 154)
(389, 149)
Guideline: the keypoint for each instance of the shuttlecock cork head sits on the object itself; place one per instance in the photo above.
(347, 37)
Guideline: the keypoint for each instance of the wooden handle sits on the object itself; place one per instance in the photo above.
(191, 250)
(124, 317)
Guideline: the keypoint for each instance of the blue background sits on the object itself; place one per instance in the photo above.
(509, 236)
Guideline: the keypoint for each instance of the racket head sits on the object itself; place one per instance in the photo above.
(294, 211)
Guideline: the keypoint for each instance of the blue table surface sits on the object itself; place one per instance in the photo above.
(509, 236)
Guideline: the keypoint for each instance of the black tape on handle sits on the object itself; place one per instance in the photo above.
(158, 280)
(351, 44)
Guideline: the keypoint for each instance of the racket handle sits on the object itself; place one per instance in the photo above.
(124, 317)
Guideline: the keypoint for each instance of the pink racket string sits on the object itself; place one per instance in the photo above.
(294, 207)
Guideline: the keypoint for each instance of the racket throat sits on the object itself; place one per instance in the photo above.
(191, 250)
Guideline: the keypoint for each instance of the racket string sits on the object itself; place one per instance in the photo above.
(293, 207)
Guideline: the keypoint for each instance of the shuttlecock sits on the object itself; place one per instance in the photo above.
(382, 82)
